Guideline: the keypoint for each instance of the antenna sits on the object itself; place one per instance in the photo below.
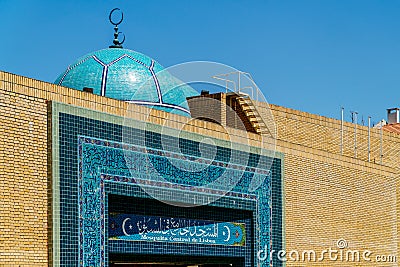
(381, 143)
(369, 138)
(341, 130)
(116, 42)
(354, 120)
(352, 116)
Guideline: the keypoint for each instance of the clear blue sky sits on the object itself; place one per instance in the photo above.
(314, 56)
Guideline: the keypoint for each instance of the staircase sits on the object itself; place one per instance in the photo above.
(252, 113)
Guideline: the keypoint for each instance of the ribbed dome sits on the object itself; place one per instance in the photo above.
(129, 76)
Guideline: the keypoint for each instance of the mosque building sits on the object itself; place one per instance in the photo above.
(120, 163)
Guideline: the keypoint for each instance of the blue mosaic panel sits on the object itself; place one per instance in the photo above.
(122, 74)
(107, 160)
(93, 165)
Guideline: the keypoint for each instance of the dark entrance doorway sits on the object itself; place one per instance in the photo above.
(124, 260)
(167, 265)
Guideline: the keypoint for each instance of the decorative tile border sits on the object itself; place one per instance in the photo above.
(91, 195)
(82, 121)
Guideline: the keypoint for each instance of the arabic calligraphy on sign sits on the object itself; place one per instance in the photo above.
(132, 227)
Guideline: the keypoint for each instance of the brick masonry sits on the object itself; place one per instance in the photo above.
(327, 195)
(23, 180)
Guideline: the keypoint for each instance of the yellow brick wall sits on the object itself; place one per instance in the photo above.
(326, 201)
(23, 158)
(42, 90)
(323, 133)
(328, 195)
(23, 180)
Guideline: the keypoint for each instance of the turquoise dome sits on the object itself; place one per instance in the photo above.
(129, 76)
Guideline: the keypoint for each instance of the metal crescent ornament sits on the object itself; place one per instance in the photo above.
(122, 16)
(123, 40)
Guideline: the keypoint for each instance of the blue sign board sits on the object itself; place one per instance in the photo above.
(132, 227)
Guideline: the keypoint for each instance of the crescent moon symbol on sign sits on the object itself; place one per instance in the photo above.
(123, 226)
(229, 233)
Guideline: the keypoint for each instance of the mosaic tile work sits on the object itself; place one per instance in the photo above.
(121, 73)
(99, 157)
(103, 171)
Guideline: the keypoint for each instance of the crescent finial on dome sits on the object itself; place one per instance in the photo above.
(129, 76)
(116, 42)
